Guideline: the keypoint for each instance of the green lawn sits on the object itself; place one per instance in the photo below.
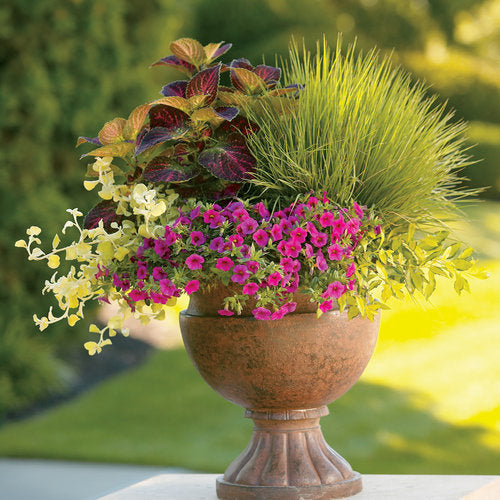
(429, 401)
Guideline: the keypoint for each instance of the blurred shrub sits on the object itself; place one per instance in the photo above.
(67, 67)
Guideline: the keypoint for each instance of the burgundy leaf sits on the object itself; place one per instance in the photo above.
(105, 211)
(241, 63)
(221, 50)
(229, 191)
(241, 124)
(156, 136)
(228, 113)
(175, 62)
(169, 117)
(231, 160)
(269, 74)
(164, 169)
(177, 88)
(205, 82)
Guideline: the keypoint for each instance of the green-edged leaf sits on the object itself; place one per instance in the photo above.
(118, 150)
(247, 81)
(174, 102)
(165, 169)
(214, 50)
(206, 83)
(112, 132)
(189, 50)
(92, 140)
(135, 121)
(461, 264)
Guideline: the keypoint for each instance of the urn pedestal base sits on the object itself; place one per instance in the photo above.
(288, 459)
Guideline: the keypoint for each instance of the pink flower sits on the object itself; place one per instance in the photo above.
(250, 289)
(319, 239)
(292, 248)
(282, 247)
(253, 266)
(358, 210)
(262, 313)
(299, 211)
(225, 312)
(213, 218)
(137, 295)
(299, 234)
(276, 232)
(351, 284)
(263, 211)
(192, 286)
(217, 245)
(311, 229)
(236, 240)
(289, 307)
(240, 274)
(321, 261)
(248, 226)
(325, 198)
(102, 271)
(285, 226)
(312, 202)
(261, 237)
(245, 251)
(278, 314)
(159, 274)
(158, 298)
(195, 261)
(168, 288)
(377, 229)
(326, 305)
(338, 226)
(274, 279)
(162, 248)
(350, 270)
(352, 226)
(336, 289)
(240, 214)
(308, 250)
(335, 252)
(194, 213)
(326, 219)
(197, 238)
(142, 272)
(290, 265)
(224, 264)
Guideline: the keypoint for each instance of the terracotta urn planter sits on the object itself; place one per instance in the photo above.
(283, 373)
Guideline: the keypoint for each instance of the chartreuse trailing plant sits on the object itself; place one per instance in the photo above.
(169, 221)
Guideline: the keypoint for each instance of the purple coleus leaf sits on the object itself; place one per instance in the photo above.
(230, 160)
(221, 50)
(205, 82)
(175, 62)
(269, 74)
(228, 113)
(169, 117)
(241, 63)
(158, 135)
(177, 89)
(165, 169)
(240, 124)
(93, 140)
(105, 211)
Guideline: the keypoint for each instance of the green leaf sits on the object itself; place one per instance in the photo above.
(352, 312)
(461, 284)
(386, 293)
(112, 131)
(452, 250)
(462, 264)
(189, 50)
(120, 150)
(466, 253)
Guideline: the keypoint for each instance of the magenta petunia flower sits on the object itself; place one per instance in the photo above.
(274, 279)
(195, 213)
(192, 287)
(158, 298)
(350, 270)
(217, 245)
(326, 305)
(161, 248)
(338, 226)
(377, 229)
(197, 238)
(325, 198)
(225, 312)
(224, 264)
(321, 263)
(262, 313)
(278, 314)
(137, 295)
(285, 226)
(311, 229)
(142, 272)
(312, 202)
(167, 287)
(352, 226)
(282, 247)
(195, 261)
(262, 210)
(276, 232)
(299, 234)
(300, 211)
(351, 285)
(261, 237)
(336, 289)
(248, 226)
(240, 214)
(245, 251)
(213, 218)
(308, 250)
(289, 307)
(293, 248)
(335, 252)
(358, 210)
(159, 274)
(250, 289)
(319, 239)
(253, 266)
(240, 274)
(326, 219)
(236, 240)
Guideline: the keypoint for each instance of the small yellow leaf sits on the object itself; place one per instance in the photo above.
(33, 231)
(72, 319)
(21, 244)
(94, 329)
(89, 185)
(91, 347)
(55, 242)
(71, 253)
(121, 253)
(54, 261)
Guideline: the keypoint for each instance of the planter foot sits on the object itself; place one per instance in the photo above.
(288, 459)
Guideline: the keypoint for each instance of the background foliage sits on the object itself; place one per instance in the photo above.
(69, 66)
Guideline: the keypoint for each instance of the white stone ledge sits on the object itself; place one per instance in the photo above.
(375, 487)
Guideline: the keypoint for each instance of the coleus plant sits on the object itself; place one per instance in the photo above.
(193, 139)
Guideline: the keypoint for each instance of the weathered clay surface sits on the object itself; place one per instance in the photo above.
(283, 372)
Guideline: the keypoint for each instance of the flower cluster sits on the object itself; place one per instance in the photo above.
(310, 246)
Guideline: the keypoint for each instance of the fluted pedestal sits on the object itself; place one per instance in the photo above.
(288, 459)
